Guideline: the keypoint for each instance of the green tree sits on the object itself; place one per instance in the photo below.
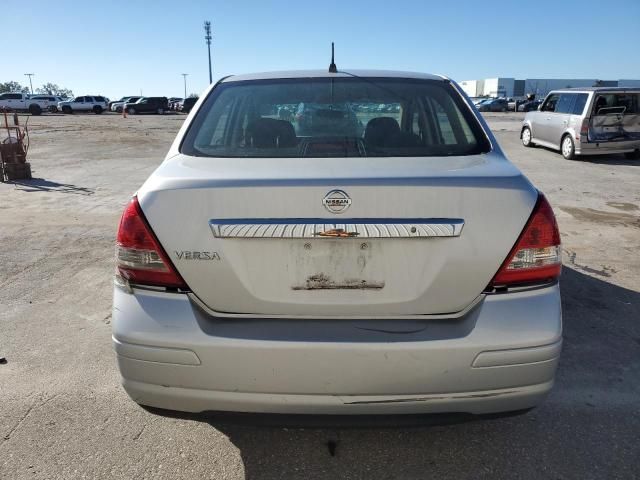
(53, 89)
(13, 87)
(193, 95)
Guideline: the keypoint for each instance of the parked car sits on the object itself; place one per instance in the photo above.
(529, 105)
(512, 104)
(94, 103)
(121, 100)
(493, 105)
(174, 103)
(118, 106)
(187, 104)
(157, 105)
(51, 101)
(477, 100)
(23, 102)
(408, 269)
(333, 119)
(586, 121)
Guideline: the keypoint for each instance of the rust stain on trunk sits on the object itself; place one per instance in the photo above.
(321, 281)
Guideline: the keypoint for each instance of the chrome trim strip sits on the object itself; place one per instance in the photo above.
(347, 228)
(436, 316)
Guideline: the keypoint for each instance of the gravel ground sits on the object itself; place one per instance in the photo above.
(63, 414)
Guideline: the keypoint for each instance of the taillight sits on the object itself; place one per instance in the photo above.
(536, 256)
(584, 128)
(140, 259)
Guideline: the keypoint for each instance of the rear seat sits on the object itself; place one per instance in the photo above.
(270, 133)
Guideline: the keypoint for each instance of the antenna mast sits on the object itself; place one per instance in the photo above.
(332, 67)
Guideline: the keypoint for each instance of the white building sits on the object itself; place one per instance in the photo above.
(510, 87)
(492, 87)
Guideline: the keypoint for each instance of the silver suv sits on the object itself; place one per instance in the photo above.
(586, 121)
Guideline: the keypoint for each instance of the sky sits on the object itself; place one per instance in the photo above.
(117, 47)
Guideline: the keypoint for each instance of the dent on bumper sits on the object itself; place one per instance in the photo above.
(501, 356)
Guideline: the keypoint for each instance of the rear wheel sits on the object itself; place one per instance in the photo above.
(160, 111)
(97, 109)
(568, 148)
(35, 109)
(118, 109)
(526, 137)
(635, 155)
(66, 109)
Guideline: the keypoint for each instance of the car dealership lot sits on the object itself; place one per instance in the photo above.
(64, 415)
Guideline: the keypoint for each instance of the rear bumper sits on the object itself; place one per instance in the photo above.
(592, 148)
(196, 400)
(501, 356)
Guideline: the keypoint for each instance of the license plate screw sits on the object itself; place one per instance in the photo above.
(414, 229)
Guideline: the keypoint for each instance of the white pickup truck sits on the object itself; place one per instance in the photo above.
(22, 102)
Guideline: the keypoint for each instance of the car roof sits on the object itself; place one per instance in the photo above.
(326, 74)
(597, 89)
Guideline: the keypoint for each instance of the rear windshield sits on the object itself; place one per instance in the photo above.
(340, 117)
(625, 103)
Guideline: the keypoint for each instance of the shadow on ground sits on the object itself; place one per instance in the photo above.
(586, 429)
(597, 159)
(609, 160)
(42, 185)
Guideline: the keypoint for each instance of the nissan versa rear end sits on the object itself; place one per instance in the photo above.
(337, 243)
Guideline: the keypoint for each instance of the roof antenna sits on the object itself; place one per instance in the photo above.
(332, 67)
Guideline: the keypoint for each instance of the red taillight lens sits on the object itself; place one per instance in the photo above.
(584, 128)
(140, 258)
(536, 257)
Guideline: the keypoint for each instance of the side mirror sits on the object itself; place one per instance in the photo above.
(540, 107)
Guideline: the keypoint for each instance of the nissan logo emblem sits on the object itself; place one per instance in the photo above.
(336, 201)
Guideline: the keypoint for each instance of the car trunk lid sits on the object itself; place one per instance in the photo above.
(419, 236)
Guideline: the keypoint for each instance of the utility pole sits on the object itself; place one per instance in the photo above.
(31, 84)
(207, 37)
(184, 75)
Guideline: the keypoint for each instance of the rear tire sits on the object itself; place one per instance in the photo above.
(161, 111)
(567, 148)
(97, 109)
(53, 109)
(35, 109)
(526, 137)
(118, 109)
(635, 155)
(67, 109)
